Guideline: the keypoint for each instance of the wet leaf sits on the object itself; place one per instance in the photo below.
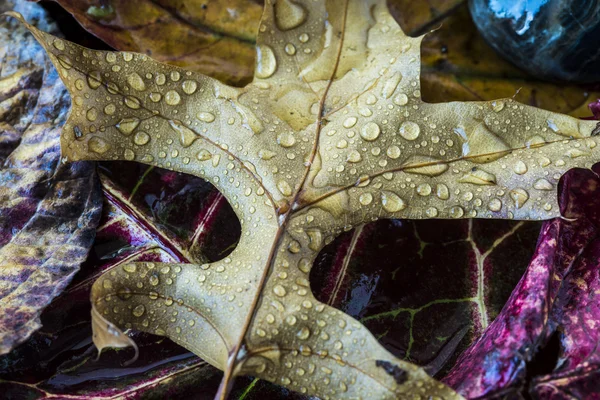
(48, 210)
(331, 134)
(557, 297)
(394, 276)
(137, 225)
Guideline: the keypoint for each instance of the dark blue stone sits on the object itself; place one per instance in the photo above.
(550, 39)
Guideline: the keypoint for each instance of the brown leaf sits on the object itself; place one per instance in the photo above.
(330, 134)
(215, 38)
(48, 210)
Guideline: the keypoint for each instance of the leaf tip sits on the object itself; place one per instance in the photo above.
(107, 335)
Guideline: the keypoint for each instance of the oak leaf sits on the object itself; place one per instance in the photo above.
(331, 133)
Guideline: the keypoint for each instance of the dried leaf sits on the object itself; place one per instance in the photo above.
(331, 133)
(48, 210)
(215, 38)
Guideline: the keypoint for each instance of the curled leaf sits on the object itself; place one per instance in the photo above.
(557, 296)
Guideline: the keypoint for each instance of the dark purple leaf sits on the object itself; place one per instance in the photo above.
(48, 210)
(558, 295)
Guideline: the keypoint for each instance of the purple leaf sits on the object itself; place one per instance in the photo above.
(557, 295)
(48, 210)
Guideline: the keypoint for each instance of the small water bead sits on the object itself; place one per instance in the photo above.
(431, 212)
(266, 63)
(129, 155)
(349, 122)
(542, 184)
(477, 176)
(127, 125)
(266, 154)
(79, 84)
(354, 156)
(155, 97)
(284, 187)
(175, 76)
(520, 167)
(132, 102)
(304, 38)
(58, 44)
(424, 189)
(172, 98)
(131, 268)
(204, 155)
(303, 333)
(139, 310)
(289, 15)
(189, 87)
(98, 145)
(64, 61)
(365, 111)
(495, 205)
(127, 56)
(409, 130)
(154, 281)
(91, 114)
(390, 85)
(111, 57)
(110, 109)
(456, 212)
(136, 82)
(286, 139)
(141, 138)
(401, 99)
(393, 152)
(342, 144)
(365, 199)
(94, 79)
(442, 191)
(391, 202)
(497, 105)
(290, 49)
(279, 291)
(205, 116)
(370, 131)
(160, 79)
(519, 196)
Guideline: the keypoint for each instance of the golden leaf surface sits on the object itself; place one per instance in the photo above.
(331, 133)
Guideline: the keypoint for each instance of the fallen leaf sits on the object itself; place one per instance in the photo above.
(215, 38)
(48, 210)
(331, 133)
(397, 279)
(137, 225)
(556, 296)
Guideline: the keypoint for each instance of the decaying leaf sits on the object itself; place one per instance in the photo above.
(331, 133)
(48, 210)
